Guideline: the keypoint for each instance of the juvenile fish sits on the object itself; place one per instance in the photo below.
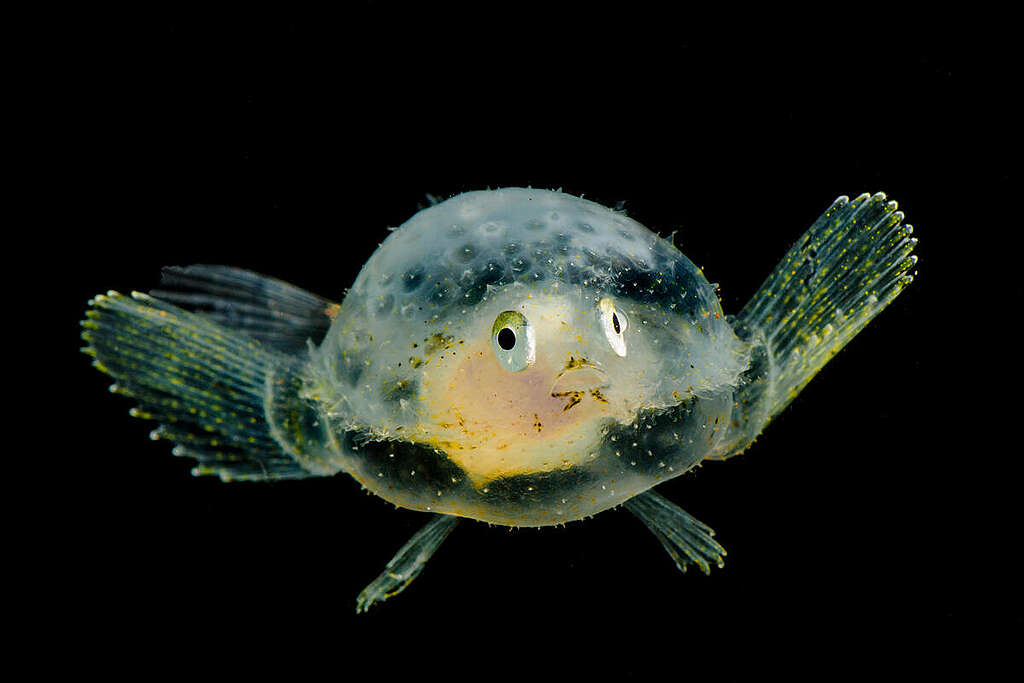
(517, 356)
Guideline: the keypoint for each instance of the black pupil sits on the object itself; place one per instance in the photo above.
(615, 324)
(506, 339)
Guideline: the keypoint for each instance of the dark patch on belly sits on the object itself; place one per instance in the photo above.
(659, 444)
(415, 470)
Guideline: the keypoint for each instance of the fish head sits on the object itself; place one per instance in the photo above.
(513, 336)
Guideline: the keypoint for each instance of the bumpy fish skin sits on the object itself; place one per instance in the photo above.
(424, 415)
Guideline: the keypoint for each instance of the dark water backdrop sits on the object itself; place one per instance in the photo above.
(872, 509)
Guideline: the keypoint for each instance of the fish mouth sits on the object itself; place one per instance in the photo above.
(584, 378)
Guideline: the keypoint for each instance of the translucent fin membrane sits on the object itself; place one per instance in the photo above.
(278, 314)
(204, 385)
(686, 539)
(407, 563)
(843, 272)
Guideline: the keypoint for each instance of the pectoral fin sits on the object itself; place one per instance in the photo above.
(851, 264)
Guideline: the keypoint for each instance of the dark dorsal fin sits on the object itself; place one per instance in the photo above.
(278, 315)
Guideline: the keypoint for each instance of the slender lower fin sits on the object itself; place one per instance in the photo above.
(407, 563)
(278, 315)
(686, 539)
(851, 264)
(206, 386)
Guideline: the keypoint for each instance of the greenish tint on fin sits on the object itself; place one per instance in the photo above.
(852, 263)
(686, 539)
(206, 386)
(279, 315)
(407, 563)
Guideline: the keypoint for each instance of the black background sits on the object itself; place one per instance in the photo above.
(872, 509)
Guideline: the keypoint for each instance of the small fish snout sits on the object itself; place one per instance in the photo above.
(579, 379)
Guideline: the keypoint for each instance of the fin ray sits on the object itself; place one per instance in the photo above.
(685, 538)
(205, 386)
(276, 313)
(850, 264)
(407, 563)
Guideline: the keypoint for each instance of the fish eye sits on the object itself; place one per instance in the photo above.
(513, 341)
(614, 324)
